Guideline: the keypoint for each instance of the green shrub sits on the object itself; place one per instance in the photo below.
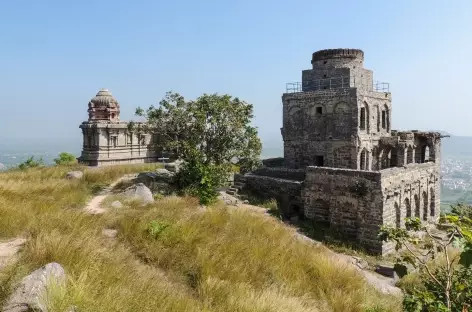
(65, 159)
(31, 163)
(201, 180)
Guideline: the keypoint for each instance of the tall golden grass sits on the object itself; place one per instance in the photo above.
(172, 255)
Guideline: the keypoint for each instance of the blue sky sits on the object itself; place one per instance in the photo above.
(55, 55)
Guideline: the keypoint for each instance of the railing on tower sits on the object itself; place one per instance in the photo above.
(337, 83)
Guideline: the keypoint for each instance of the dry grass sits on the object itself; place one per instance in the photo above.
(168, 256)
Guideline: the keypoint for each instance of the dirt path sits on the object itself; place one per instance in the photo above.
(9, 251)
(94, 205)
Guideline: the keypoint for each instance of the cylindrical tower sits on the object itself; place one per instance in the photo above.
(338, 58)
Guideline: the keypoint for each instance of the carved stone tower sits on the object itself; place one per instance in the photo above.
(104, 107)
(107, 140)
(336, 109)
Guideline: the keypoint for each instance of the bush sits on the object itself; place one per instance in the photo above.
(201, 180)
(31, 163)
(65, 159)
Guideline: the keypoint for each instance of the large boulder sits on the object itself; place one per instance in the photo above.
(75, 175)
(30, 294)
(139, 192)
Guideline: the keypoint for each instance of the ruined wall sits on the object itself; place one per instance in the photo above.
(273, 162)
(286, 192)
(281, 172)
(411, 191)
(350, 201)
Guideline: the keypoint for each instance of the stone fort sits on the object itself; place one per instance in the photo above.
(343, 165)
(109, 141)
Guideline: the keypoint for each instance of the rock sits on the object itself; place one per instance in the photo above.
(9, 250)
(76, 175)
(360, 263)
(116, 204)
(30, 294)
(139, 192)
(385, 270)
(110, 233)
(174, 166)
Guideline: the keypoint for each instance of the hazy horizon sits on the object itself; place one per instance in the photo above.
(56, 55)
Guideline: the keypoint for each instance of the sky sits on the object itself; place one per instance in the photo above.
(56, 55)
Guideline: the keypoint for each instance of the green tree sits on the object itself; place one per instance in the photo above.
(65, 159)
(445, 284)
(209, 134)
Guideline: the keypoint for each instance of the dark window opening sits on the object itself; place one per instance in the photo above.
(393, 158)
(325, 62)
(319, 110)
(319, 161)
(363, 118)
(384, 117)
(324, 76)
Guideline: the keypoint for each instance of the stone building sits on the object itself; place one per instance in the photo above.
(343, 166)
(107, 140)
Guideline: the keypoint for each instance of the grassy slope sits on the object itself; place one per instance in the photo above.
(218, 259)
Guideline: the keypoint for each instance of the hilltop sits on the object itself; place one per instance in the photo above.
(170, 255)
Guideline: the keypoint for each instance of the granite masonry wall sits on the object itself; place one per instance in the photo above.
(350, 201)
(411, 191)
(287, 192)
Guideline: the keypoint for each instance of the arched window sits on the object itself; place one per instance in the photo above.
(417, 206)
(425, 206)
(409, 155)
(393, 158)
(432, 202)
(408, 208)
(363, 160)
(426, 157)
(398, 215)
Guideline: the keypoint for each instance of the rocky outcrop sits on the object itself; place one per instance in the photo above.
(139, 192)
(30, 294)
(75, 175)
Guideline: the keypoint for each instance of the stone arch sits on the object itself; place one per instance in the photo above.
(375, 158)
(417, 206)
(408, 207)
(409, 154)
(363, 159)
(432, 202)
(365, 117)
(293, 109)
(425, 154)
(341, 108)
(398, 215)
(386, 118)
(393, 157)
(378, 118)
(425, 206)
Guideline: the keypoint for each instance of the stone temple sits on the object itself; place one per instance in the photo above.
(343, 165)
(108, 141)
